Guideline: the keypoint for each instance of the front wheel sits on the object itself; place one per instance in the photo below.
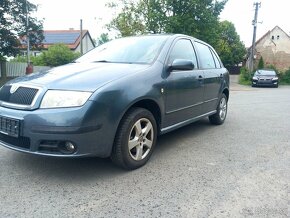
(219, 117)
(135, 139)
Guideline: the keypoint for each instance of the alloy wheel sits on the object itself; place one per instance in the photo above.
(141, 139)
(223, 108)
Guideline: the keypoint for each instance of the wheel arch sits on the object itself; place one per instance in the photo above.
(151, 106)
(227, 93)
(147, 104)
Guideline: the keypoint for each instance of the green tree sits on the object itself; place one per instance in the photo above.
(198, 18)
(127, 22)
(229, 46)
(261, 63)
(104, 37)
(13, 26)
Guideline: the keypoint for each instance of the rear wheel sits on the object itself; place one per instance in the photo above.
(219, 117)
(135, 139)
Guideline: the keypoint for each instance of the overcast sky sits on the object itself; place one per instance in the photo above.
(65, 14)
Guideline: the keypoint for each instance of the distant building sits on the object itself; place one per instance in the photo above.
(274, 47)
(71, 38)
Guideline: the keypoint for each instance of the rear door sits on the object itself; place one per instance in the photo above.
(213, 74)
(184, 89)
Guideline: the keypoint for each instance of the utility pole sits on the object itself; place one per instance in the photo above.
(27, 35)
(257, 5)
(81, 42)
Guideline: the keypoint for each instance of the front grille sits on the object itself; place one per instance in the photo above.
(20, 142)
(22, 96)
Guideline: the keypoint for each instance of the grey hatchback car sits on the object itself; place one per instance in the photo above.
(115, 100)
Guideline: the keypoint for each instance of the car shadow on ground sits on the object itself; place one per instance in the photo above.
(91, 168)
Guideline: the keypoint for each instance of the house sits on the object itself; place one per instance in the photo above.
(71, 38)
(274, 47)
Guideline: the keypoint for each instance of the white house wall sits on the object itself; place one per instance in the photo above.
(87, 45)
(275, 49)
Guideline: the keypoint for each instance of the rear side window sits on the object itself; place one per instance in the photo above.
(205, 56)
(183, 49)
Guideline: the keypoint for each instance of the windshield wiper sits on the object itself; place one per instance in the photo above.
(102, 61)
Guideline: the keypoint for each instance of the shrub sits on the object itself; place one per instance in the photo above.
(56, 55)
(245, 76)
(261, 64)
(285, 77)
(23, 59)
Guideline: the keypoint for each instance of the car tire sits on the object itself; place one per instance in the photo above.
(219, 117)
(135, 139)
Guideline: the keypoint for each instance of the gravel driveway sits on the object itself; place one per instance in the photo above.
(239, 169)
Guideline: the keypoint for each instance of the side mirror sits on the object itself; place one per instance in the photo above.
(181, 64)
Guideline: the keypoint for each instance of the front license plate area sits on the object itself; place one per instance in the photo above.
(9, 126)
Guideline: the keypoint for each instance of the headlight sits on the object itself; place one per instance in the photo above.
(275, 78)
(59, 98)
(255, 78)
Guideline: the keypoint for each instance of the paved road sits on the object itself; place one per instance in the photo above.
(240, 169)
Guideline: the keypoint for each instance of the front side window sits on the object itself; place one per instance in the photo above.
(205, 56)
(183, 49)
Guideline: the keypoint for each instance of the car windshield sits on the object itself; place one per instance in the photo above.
(135, 50)
(265, 73)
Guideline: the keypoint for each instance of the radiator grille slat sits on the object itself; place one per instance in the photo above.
(22, 96)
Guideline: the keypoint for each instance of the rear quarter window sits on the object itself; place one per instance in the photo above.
(216, 59)
(205, 56)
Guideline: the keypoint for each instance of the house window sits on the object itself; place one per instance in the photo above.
(278, 37)
(273, 37)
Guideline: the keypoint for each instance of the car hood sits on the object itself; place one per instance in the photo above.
(80, 76)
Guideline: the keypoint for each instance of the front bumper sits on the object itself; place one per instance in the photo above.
(265, 82)
(46, 131)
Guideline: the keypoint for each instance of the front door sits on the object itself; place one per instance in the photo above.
(184, 88)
